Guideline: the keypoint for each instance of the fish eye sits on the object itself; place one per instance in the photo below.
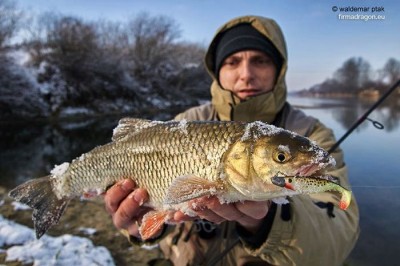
(290, 180)
(281, 157)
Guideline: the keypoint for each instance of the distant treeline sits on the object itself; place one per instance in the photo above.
(355, 77)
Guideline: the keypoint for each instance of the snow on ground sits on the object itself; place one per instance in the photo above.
(20, 244)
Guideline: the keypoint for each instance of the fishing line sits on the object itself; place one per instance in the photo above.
(364, 117)
(380, 187)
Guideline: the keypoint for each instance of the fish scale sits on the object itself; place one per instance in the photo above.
(175, 162)
(156, 156)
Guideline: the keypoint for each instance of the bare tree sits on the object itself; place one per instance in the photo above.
(112, 36)
(72, 42)
(36, 37)
(151, 42)
(391, 71)
(10, 21)
(354, 74)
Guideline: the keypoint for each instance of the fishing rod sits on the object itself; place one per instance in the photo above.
(365, 117)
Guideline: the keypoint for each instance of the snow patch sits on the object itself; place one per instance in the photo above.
(20, 57)
(20, 206)
(181, 126)
(259, 129)
(75, 111)
(87, 231)
(62, 251)
(59, 170)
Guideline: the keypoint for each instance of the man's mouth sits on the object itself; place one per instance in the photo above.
(249, 92)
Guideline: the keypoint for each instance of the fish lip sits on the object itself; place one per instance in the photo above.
(315, 166)
(308, 170)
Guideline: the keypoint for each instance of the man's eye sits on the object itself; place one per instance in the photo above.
(263, 61)
(231, 62)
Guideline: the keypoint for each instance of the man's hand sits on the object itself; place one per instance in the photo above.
(248, 214)
(125, 204)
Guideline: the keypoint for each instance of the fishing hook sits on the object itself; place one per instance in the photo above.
(375, 123)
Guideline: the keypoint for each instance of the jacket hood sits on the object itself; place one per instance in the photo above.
(266, 105)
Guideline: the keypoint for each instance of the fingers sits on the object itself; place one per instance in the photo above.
(117, 193)
(130, 209)
(210, 208)
(125, 204)
(181, 217)
(248, 213)
(254, 209)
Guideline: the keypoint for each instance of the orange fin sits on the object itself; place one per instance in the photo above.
(152, 223)
(185, 188)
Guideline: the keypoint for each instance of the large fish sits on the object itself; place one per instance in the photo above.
(177, 161)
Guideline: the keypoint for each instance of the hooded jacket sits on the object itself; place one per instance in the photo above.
(308, 230)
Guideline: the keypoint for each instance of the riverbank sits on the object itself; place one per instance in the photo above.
(82, 214)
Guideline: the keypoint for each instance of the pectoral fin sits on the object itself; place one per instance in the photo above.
(185, 188)
(152, 224)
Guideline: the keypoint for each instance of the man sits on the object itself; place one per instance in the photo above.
(248, 61)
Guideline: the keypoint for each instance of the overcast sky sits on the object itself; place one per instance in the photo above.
(318, 40)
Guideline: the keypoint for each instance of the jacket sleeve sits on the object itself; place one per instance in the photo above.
(311, 230)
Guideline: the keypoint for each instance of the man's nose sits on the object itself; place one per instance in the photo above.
(246, 71)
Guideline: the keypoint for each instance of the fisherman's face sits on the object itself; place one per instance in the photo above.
(248, 73)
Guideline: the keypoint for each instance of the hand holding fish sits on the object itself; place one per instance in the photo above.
(124, 202)
(249, 214)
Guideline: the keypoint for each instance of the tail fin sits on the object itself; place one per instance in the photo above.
(47, 208)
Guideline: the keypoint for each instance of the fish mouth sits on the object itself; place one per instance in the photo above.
(307, 170)
(316, 166)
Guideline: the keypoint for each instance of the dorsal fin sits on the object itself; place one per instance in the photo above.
(129, 126)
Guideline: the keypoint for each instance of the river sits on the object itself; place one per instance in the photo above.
(32, 149)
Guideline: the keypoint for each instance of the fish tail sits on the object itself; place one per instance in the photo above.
(345, 199)
(47, 207)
